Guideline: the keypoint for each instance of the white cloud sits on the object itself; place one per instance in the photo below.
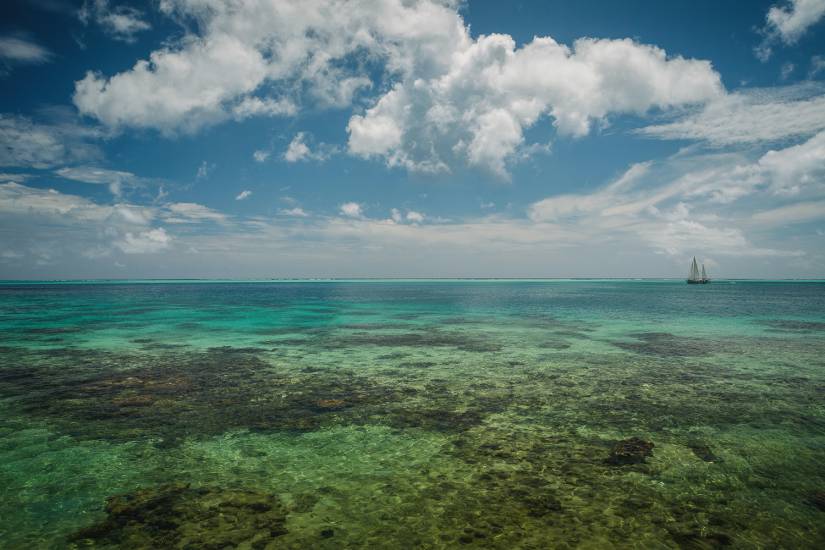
(113, 178)
(565, 207)
(479, 107)
(255, 106)
(187, 212)
(351, 209)
(296, 212)
(788, 23)
(817, 66)
(15, 49)
(411, 216)
(790, 214)
(415, 217)
(20, 199)
(204, 169)
(452, 98)
(120, 22)
(795, 167)
(243, 195)
(29, 144)
(687, 203)
(299, 149)
(145, 242)
(5, 177)
(261, 155)
(750, 117)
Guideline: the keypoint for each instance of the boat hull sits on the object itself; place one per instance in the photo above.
(699, 282)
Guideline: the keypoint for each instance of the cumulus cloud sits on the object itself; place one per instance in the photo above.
(299, 149)
(415, 217)
(411, 216)
(120, 22)
(761, 115)
(452, 98)
(796, 167)
(478, 108)
(243, 195)
(261, 155)
(788, 22)
(351, 210)
(28, 144)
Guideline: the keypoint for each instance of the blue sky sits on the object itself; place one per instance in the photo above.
(266, 138)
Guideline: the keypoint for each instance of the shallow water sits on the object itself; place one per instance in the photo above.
(412, 414)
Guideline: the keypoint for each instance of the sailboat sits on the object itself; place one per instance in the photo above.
(695, 277)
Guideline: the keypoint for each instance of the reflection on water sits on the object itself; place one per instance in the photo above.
(438, 414)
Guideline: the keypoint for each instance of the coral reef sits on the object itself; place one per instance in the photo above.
(179, 516)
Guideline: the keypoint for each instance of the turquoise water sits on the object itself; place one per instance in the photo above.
(427, 414)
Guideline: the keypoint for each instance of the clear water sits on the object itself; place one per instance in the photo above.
(412, 414)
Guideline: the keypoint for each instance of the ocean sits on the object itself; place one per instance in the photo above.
(412, 413)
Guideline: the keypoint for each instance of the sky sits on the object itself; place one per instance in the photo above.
(403, 138)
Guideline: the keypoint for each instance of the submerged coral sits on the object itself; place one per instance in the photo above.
(664, 344)
(630, 451)
(179, 516)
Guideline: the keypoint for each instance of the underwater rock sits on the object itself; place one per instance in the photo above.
(630, 451)
(330, 404)
(703, 452)
(817, 499)
(178, 516)
(435, 419)
(701, 539)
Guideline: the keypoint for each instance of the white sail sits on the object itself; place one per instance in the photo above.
(694, 271)
(704, 274)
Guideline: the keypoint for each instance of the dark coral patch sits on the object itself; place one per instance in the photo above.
(664, 344)
(703, 452)
(420, 339)
(786, 325)
(178, 516)
(630, 451)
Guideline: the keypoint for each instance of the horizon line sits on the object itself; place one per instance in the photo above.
(356, 279)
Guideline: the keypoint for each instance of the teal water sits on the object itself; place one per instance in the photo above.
(433, 414)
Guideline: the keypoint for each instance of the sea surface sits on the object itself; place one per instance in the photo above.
(412, 414)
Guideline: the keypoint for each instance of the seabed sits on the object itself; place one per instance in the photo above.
(413, 414)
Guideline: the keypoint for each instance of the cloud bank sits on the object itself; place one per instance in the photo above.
(449, 97)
